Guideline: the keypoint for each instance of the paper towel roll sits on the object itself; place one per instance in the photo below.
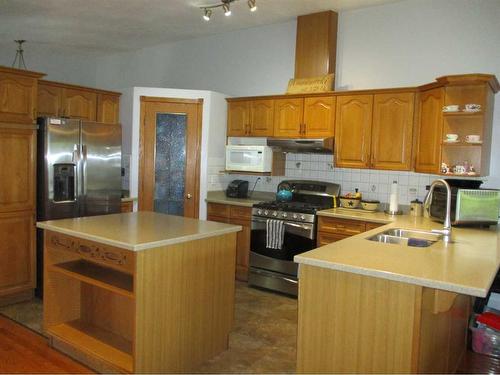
(394, 198)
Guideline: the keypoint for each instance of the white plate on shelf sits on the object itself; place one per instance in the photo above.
(450, 111)
(474, 142)
(471, 110)
(451, 141)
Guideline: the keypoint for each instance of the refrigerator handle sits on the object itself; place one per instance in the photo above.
(84, 170)
(76, 154)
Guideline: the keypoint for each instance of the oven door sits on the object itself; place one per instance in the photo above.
(299, 237)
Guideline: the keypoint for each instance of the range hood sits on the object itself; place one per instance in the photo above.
(301, 145)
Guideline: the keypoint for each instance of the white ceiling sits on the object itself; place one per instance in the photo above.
(120, 25)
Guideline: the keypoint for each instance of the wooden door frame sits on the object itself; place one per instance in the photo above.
(199, 103)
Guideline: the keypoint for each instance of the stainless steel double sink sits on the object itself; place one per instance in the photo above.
(407, 237)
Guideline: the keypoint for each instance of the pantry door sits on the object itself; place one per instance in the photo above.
(169, 159)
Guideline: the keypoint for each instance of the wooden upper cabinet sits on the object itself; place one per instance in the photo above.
(430, 130)
(238, 119)
(17, 171)
(288, 117)
(319, 116)
(353, 125)
(18, 95)
(108, 108)
(17, 251)
(80, 104)
(261, 118)
(50, 99)
(392, 131)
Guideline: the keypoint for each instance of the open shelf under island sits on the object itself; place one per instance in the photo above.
(139, 292)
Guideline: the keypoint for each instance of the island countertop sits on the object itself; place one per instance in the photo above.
(466, 266)
(138, 230)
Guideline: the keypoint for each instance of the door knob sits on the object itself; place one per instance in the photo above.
(188, 196)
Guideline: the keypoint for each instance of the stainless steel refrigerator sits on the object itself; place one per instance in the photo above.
(78, 172)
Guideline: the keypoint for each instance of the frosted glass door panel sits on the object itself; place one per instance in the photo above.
(170, 163)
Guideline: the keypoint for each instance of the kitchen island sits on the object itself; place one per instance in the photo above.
(139, 292)
(367, 306)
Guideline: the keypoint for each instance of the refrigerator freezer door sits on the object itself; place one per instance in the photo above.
(58, 155)
(100, 185)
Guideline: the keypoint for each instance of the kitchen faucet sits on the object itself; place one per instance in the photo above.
(446, 231)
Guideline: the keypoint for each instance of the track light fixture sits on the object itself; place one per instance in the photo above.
(226, 7)
(207, 15)
(252, 5)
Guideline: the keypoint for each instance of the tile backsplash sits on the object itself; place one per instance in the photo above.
(373, 184)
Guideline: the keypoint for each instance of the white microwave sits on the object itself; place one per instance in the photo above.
(248, 158)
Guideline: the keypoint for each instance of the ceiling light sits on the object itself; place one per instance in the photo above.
(207, 15)
(252, 5)
(19, 55)
(226, 7)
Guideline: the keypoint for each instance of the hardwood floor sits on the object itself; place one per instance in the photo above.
(24, 351)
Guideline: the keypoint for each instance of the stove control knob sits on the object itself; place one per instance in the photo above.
(265, 212)
(259, 212)
(284, 214)
(275, 213)
(294, 216)
(302, 217)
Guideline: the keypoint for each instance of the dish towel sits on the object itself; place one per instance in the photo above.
(275, 230)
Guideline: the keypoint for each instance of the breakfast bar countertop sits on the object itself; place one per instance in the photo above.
(466, 266)
(138, 230)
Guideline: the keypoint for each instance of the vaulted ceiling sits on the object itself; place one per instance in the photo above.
(119, 25)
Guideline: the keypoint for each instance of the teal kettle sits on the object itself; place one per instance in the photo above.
(284, 195)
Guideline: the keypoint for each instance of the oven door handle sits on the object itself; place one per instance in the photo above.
(301, 226)
(268, 274)
(295, 225)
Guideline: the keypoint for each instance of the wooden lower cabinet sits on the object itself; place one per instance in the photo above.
(127, 206)
(17, 254)
(350, 323)
(17, 212)
(332, 229)
(160, 310)
(237, 215)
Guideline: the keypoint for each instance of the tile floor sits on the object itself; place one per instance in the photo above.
(29, 314)
(263, 339)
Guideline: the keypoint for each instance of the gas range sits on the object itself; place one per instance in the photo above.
(272, 267)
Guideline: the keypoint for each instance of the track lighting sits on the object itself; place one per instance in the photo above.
(226, 7)
(252, 5)
(207, 15)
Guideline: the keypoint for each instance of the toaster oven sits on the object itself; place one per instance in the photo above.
(469, 207)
